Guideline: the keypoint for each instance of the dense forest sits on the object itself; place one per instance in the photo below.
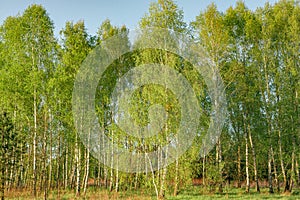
(257, 54)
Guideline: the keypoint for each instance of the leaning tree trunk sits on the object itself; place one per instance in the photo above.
(153, 175)
(254, 159)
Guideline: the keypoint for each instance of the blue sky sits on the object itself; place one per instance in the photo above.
(120, 12)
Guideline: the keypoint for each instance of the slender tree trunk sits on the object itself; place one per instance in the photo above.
(219, 160)
(111, 166)
(34, 144)
(78, 165)
(87, 164)
(282, 163)
(27, 169)
(162, 185)
(21, 176)
(99, 162)
(84, 171)
(50, 153)
(297, 133)
(164, 174)
(87, 169)
(176, 180)
(45, 156)
(6, 174)
(99, 174)
(117, 180)
(266, 97)
(275, 173)
(117, 176)
(73, 171)
(254, 159)
(204, 171)
(66, 168)
(292, 177)
(105, 169)
(270, 152)
(2, 164)
(153, 177)
(270, 179)
(11, 176)
(297, 173)
(247, 167)
(293, 130)
(2, 186)
(58, 167)
(105, 177)
(239, 167)
(136, 180)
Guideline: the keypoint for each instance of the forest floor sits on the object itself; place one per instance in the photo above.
(193, 192)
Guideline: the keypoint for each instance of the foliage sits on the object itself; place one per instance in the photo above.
(256, 52)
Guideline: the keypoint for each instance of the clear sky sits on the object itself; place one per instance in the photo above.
(120, 12)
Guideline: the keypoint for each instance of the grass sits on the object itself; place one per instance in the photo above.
(233, 193)
(92, 194)
(190, 193)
